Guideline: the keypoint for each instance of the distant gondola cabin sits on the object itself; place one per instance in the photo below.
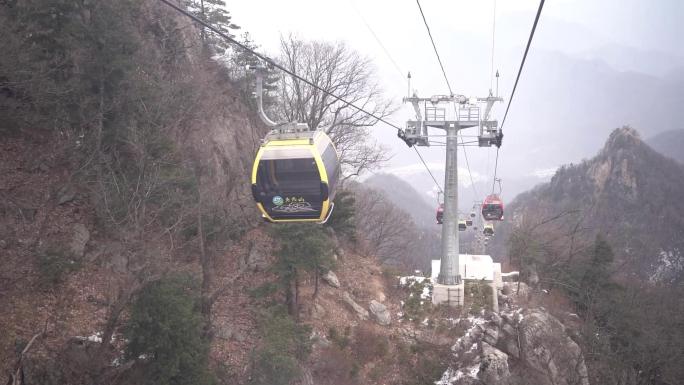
(294, 177)
(492, 208)
(440, 214)
(488, 230)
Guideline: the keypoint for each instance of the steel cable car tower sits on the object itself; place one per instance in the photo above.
(467, 114)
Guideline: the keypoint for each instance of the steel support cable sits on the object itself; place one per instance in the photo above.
(491, 72)
(434, 47)
(496, 164)
(428, 170)
(278, 66)
(274, 64)
(377, 39)
(515, 85)
(465, 155)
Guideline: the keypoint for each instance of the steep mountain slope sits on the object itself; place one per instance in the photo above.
(108, 184)
(669, 143)
(628, 192)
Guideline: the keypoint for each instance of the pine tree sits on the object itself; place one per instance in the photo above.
(596, 279)
(165, 329)
(343, 217)
(213, 12)
(284, 342)
(240, 60)
(303, 248)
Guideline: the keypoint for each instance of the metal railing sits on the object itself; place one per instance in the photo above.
(471, 114)
(435, 114)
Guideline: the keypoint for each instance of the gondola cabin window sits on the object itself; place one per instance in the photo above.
(290, 176)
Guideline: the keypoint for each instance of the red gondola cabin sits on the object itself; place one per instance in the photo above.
(492, 208)
(440, 214)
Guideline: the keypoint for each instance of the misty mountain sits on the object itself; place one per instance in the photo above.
(404, 196)
(628, 192)
(669, 143)
(562, 100)
(630, 59)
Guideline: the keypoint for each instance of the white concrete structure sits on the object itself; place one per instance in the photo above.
(471, 268)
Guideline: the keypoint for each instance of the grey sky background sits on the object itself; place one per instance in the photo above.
(587, 56)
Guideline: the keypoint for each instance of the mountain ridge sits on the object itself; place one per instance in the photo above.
(628, 192)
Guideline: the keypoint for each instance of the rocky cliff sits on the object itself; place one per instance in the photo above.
(628, 192)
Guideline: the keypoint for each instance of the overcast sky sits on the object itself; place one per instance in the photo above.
(463, 34)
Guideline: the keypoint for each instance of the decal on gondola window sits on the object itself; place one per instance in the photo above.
(294, 207)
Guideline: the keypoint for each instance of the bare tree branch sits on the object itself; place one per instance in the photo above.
(341, 71)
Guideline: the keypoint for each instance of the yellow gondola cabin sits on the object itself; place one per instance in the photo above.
(294, 177)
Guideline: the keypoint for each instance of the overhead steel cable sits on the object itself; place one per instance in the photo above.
(274, 64)
(434, 47)
(515, 85)
(522, 63)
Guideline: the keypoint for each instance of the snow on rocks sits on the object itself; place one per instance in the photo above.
(459, 376)
(95, 337)
(410, 279)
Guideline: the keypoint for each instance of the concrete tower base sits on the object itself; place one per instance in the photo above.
(452, 295)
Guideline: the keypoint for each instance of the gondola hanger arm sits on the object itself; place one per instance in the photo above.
(259, 94)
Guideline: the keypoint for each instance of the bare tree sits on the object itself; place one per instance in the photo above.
(338, 70)
(385, 230)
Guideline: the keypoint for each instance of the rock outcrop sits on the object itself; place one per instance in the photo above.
(546, 347)
(331, 279)
(256, 259)
(531, 340)
(380, 313)
(79, 238)
(494, 366)
(358, 309)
